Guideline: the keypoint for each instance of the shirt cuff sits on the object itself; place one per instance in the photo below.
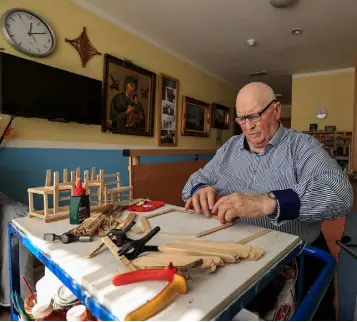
(288, 205)
(197, 187)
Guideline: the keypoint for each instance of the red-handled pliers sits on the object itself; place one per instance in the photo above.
(177, 285)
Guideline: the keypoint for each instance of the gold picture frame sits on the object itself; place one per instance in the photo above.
(195, 118)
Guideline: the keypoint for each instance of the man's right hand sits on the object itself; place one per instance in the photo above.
(203, 199)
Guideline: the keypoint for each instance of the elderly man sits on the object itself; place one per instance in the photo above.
(271, 177)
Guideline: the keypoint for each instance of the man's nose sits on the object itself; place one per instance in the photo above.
(249, 124)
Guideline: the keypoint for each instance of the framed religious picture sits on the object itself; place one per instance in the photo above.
(128, 98)
(330, 128)
(167, 116)
(313, 127)
(220, 116)
(237, 130)
(196, 117)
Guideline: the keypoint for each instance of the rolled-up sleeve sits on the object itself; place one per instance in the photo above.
(323, 190)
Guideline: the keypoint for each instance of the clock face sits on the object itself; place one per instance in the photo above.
(321, 113)
(28, 33)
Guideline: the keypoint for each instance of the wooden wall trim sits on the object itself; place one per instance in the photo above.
(155, 152)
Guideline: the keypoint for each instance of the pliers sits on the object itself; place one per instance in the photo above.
(177, 285)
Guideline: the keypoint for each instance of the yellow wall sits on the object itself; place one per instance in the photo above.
(68, 19)
(333, 91)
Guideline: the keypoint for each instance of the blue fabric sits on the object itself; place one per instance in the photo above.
(347, 272)
(197, 187)
(289, 204)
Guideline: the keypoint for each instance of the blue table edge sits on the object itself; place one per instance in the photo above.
(304, 311)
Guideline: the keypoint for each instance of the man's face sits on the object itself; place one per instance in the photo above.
(258, 133)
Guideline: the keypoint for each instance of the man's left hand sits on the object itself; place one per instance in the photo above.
(230, 208)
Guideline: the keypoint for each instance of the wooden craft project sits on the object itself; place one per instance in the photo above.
(114, 249)
(113, 190)
(147, 227)
(84, 47)
(54, 189)
(95, 186)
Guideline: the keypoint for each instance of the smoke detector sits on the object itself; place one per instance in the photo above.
(251, 42)
(281, 4)
(297, 31)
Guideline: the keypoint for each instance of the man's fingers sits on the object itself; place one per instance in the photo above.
(223, 208)
(188, 204)
(211, 196)
(231, 215)
(196, 204)
(218, 203)
(204, 204)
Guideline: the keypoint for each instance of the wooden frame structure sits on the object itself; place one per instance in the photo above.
(147, 228)
(95, 182)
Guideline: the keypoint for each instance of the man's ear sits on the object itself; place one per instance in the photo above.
(277, 108)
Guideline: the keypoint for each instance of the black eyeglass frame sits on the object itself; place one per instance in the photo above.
(257, 115)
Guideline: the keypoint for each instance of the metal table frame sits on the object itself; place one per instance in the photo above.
(306, 306)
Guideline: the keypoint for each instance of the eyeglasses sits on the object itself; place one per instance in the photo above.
(253, 118)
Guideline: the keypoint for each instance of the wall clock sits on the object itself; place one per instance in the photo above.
(28, 33)
(321, 113)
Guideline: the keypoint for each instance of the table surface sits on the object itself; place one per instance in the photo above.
(208, 295)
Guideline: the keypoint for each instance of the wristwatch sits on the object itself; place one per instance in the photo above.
(271, 195)
(275, 214)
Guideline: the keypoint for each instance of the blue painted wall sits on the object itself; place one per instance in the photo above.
(21, 168)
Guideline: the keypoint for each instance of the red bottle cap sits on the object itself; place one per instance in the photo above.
(79, 190)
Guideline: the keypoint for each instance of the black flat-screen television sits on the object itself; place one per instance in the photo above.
(32, 89)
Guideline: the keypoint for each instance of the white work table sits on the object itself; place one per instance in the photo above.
(208, 295)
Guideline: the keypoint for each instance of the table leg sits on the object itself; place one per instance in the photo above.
(14, 268)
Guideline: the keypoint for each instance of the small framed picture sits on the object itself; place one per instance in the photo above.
(313, 127)
(220, 116)
(167, 116)
(196, 117)
(330, 128)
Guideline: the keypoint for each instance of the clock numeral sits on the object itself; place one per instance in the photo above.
(7, 26)
(39, 50)
(19, 15)
(45, 46)
(19, 44)
(12, 19)
(38, 23)
(29, 17)
(49, 39)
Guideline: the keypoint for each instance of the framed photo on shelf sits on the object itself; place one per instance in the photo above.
(220, 116)
(330, 128)
(313, 128)
(167, 116)
(195, 117)
(128, 98)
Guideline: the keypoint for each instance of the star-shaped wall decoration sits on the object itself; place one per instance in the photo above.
(84, 47)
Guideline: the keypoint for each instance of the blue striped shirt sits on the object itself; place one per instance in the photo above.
(309, 185)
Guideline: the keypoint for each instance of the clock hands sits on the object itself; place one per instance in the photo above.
(36, 33)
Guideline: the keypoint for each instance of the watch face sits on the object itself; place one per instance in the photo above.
(28, 33)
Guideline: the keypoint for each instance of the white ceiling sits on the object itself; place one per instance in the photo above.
(212, 34)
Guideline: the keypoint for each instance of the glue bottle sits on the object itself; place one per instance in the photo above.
(79, 206)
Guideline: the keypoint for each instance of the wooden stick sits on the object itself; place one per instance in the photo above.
(145, 224)
(48, 178)
(114, 249)
(65, 175)
(163, 212)
(254, 236)
(210, 231)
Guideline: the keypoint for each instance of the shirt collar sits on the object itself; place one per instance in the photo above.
(274, 141)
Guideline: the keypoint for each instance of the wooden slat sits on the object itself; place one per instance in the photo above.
(163, 151)
(163, 181)
(65, 175)
(353, 166)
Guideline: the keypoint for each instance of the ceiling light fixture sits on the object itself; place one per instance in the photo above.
(263, 72)
(297, 31)
(281, 4)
